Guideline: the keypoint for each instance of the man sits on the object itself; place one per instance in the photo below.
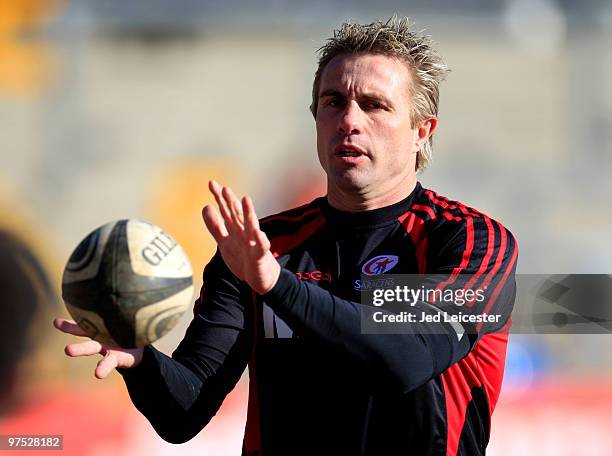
(284, 294)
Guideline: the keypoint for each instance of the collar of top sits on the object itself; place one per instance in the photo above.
(374, 217)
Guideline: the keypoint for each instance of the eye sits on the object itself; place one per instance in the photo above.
(373, 106)
(333, 102)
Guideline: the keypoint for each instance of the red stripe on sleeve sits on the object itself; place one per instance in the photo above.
(502, 282)
(415, 227)
(491, 352)
(467, 254)
(458, 381)
(485, 260)
(282, 244)
(445, 203)
(450, 217)
(483, 366)
(426, 209)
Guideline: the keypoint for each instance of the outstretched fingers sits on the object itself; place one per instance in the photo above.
(234, 205)
(69, 327)
(112, 358)
(87, 348)
(251, 224)
(229, 207)
(106, 365)
(224, 209)
(235, 219)
(214, 223)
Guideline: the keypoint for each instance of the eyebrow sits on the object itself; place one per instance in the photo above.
(330, 93)
(371, 96)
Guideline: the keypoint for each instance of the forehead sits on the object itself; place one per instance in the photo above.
(366, 73)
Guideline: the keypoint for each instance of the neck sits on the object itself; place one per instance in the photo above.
(353, 201)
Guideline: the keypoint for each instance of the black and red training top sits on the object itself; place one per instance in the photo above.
(318, 384)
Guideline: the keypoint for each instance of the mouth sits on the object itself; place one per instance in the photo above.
(348, 151)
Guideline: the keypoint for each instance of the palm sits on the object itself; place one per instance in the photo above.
(243, 259)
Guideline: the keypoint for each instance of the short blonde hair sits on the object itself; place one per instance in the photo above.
(394, 38)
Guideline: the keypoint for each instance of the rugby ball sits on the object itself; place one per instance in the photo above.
(127, 283)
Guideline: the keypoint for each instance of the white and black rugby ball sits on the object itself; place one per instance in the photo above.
(127, 283)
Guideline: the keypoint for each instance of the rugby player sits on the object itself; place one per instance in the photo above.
(283, 294)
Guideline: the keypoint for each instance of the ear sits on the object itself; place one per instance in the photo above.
(425, 129)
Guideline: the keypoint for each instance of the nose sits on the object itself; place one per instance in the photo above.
(351, 119)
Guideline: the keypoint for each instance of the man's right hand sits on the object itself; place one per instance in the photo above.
(245, 248)
(112, 357)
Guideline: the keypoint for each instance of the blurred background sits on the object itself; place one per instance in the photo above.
(112, 109)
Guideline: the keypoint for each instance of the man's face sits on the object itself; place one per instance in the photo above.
(365, 140)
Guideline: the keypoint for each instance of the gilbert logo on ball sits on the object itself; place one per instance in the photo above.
(127, 283)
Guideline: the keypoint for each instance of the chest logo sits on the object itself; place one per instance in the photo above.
(314, 275)
(379, 264)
